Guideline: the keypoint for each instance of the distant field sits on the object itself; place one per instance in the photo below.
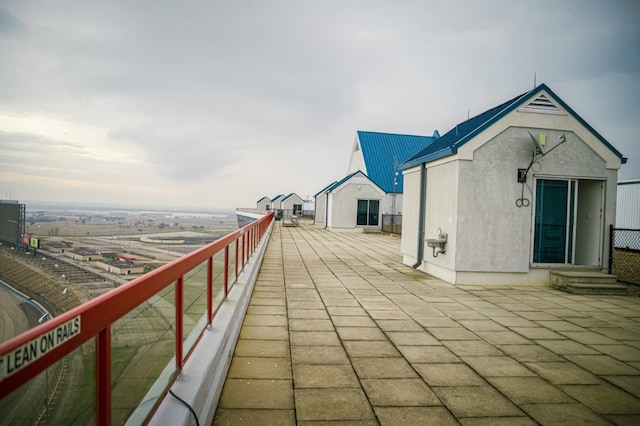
(65, 224)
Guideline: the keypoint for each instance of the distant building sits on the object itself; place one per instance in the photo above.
(264, 203)
(82, 254)
(353, 203)
(119, 267)
(292, 205)
(374, 169)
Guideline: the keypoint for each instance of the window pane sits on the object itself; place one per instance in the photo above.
(374, 208)
(363, 209)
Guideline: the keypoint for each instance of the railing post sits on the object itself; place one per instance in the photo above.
(226, 271)
(210, 290)
(612, 242)
(236, 263)
(244, 245)
(103, 377)
(179, 328)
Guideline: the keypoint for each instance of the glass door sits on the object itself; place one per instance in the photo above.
(554, 218)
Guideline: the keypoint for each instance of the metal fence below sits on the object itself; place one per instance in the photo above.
(624, 255)
(392, 223)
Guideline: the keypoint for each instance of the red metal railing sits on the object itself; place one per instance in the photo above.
(27, 355)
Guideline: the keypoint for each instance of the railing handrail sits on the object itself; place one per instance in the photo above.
(97, 315)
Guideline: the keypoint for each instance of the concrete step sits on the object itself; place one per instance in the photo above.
(587, 282)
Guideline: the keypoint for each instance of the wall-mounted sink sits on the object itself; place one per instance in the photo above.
(437, 244)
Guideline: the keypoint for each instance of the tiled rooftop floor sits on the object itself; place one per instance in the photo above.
(339, 330)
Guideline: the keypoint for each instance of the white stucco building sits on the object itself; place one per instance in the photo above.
(292, 204)
(352, 204)
(264, 203)
(506, 196)
(374, 169)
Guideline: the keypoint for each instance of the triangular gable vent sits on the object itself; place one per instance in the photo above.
(542, 104)
(357, 148)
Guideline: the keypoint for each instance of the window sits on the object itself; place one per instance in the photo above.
(297, 209)
(368, 211)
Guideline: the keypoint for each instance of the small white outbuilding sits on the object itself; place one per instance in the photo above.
(509, 195)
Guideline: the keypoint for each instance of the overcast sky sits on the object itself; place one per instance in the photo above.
(215, 104)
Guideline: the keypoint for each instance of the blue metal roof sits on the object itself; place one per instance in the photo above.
(449, 143)
(263, 198)
(383, 153)
(276, 197)
(291, 195)
(325, 189)
(334, 185)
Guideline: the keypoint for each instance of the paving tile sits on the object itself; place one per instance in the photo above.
(629, 383)
(314, 338)
(436, 322)
(318, 355)
(529, 390)
(538, 333)
(360, 333)
(234, 416)
(398, 392)
(476, 401)
(262, 348)
(566, 347)
(324, 376)
(482, 325)
(561, 373)
(602, 364)
(346, 310)
(620, 352)
(567, 414)
(280, 320)
(398, 325)
(264, 301)
(308, 314)
(264, 333)
(266, 310)
(449, 375)
(604, 398)
(529, 353)
(472, 348)
(385, 314)
(452, 333)
(502, 337)
(428, 354)
(243, 393)
(260, 368)
(380, 348)
(497, 421)
(383, 368)
(560, 325)
(414, 416)
(497, 366)
(305, 324)
(352, 321)
(337, 405)
(415, 338)
(619, 333)
(588, 337)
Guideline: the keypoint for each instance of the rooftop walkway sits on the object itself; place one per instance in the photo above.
(338, 330)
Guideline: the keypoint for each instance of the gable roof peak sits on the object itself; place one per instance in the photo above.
(449, 143)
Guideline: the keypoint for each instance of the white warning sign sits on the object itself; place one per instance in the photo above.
(14, 361)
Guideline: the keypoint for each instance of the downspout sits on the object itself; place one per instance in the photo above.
(326, 211)
(421, 214)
